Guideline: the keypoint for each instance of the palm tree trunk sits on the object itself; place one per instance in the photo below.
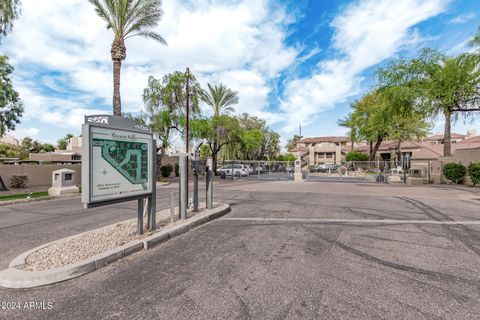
(447, 138)
(117, 104)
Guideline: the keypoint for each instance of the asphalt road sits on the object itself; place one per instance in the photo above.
(286, 251)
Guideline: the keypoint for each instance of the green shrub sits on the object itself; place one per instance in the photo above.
(19, 181)
(166, 170)
(474, 173)
(356, 156)
(177, 170)
(454, 172)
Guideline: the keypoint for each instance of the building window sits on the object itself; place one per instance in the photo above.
(329, 155)
(68, 176)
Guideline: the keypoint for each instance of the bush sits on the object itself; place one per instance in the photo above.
(177, 170)
(166, 170)
(356, 156)
(474, 173)
(454, 172)
(19, 181)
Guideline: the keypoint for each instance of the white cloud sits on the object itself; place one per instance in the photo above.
(462, 18)
(21, 133)
(366, 33)
(239, 43)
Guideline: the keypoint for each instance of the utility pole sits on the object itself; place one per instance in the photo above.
(186, 135)
(188, 98)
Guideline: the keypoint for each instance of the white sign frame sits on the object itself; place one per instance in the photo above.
(124, 128)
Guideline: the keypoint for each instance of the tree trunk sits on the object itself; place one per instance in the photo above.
(159, 161)
(214, 162)
(117, 104)
(399, 150)
(351, 146)
(375, 148)
(447, 138)
(370, 157)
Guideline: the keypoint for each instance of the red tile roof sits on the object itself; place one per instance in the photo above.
(475, 139)
(324, 139)
(438, 137)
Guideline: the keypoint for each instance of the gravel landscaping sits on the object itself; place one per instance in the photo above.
(94, 242)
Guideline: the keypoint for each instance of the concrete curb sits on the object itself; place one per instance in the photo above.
(17, 278)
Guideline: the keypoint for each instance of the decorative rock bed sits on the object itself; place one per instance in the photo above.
(89, 251)
(91, 243)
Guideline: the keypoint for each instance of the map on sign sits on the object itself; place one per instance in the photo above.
(130, 159)
(120, 164)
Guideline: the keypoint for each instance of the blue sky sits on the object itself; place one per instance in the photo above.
(292, 62)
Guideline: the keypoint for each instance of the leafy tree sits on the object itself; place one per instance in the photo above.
(47, 147)
(127, 18)
(9, 151)
(9, 11)
(165, 106)
(475, 41)
(220, 98)
(292, 142)
(63, 143)
(257, 141)
(439, 85)
(219, 131)
(372, 120)
(385, 114)
(29, 145)
(11, 107)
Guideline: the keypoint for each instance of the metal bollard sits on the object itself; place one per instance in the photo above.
(196, 167)
(209, 186)
(183, 186)
(140, 217)
(172, 206)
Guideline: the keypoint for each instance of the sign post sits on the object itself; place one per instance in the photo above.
(118, 164)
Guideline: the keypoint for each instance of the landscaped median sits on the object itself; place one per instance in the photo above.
(77, 255)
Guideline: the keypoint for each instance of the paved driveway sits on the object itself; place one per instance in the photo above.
(286, 251)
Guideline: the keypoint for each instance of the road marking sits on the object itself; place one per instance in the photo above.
(314, 220)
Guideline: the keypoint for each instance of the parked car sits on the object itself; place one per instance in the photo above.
(239, 170)
(327, 167)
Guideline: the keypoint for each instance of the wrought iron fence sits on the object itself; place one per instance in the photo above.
(251, 169)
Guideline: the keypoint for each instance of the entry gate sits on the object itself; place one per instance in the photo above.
(259, 170)
(359, 172)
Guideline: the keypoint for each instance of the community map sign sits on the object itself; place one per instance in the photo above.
(119, 162)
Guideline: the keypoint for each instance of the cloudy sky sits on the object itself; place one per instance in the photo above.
(292, 61)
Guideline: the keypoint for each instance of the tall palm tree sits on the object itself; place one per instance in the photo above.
(9, 10)
(220, 98)
(127, 18)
